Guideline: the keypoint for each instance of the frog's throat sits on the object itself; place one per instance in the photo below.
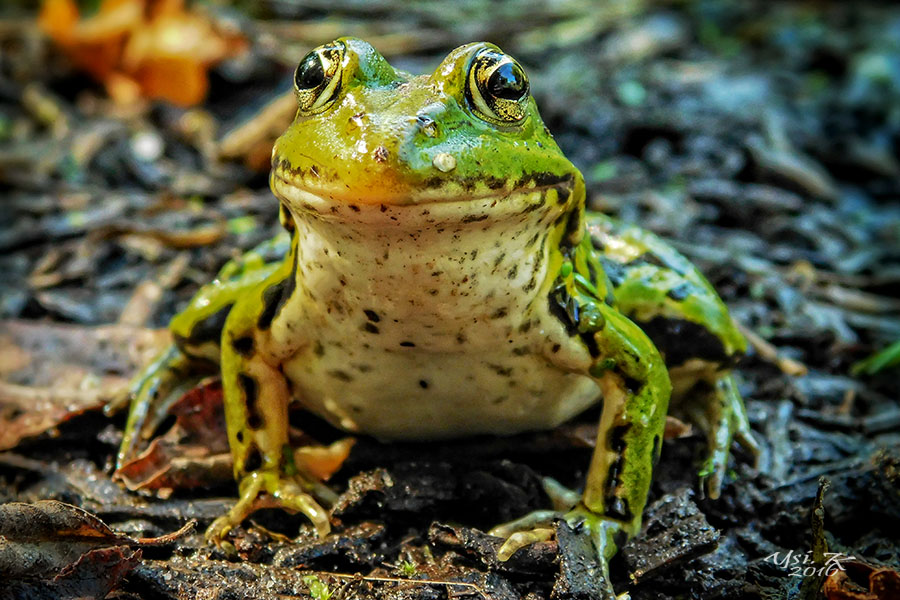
(438, 267)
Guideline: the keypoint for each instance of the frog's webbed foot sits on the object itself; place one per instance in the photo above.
(723, 419)
(606, 536)
(271, 489)
(153, 392)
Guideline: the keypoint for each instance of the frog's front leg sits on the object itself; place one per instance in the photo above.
(256, 412)
(636, 388)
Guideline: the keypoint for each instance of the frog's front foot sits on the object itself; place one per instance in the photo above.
(271, 489)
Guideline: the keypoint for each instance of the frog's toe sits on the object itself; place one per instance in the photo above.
(153, 392)
(263, 489)
(606, 536)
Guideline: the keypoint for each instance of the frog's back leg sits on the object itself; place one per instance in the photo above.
(659, 289)
(195, 352)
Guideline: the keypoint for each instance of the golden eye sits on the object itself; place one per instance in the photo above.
(317, 79)
(497, 88)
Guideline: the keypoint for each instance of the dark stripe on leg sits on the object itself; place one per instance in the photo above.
(251, 396)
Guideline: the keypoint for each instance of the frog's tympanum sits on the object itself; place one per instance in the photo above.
(440, 277)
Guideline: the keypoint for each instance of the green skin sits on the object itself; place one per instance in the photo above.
(589, 301)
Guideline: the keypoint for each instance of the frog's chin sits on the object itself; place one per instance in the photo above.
(434, 205)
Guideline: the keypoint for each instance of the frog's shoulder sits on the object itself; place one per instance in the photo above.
(654, 283)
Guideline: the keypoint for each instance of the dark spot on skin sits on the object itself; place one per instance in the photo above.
(501, 370)
(371, 328)
(563, 194)
(564, 308)
(617, 437)
(285, 217)
(513, 272)
(407, 344)
(573, 224)
(532, 240)
(318, 348)
(383, 208)
(240, 437)
(532, 283)
(500, 313)
(253, 461)
(555, 348)
(250, 388)
(243, 345)
(363, 368)
(494, 183)
(680, 340)
(473, 254)
(499, 259)
(652, 258)
(520, 351)
(617, 508)
(551, 179)
(474, 218)
(591, 342)
(353, 207)
(342, 375)
(632, 385)
(209, 329)
(681, 292)
(460, 338)
(530, 208)
(276, 295)
(372, 315)
(423, 384)
(433, 292)
(524, 327)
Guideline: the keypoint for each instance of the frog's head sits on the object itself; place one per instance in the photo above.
(366, 133)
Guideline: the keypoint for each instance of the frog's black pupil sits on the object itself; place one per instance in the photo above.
(508, 82)
(310, 73)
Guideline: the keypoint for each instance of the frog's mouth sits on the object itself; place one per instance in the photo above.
(447, 201)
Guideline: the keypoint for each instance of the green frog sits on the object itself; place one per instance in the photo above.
(439, 276)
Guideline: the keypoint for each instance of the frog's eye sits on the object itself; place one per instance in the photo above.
(317, 79)
(497, 88)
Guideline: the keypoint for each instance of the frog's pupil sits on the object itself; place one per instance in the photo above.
(508, 82)
(310, 73)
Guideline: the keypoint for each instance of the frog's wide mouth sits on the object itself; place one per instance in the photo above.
(516, 196)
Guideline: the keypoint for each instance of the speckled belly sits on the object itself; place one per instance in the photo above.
(414, 394)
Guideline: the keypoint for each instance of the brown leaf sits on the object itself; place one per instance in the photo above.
(52, 373)
(193, 453)
(862, 581)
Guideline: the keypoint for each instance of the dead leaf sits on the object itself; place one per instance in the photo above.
(862, 581)
(52, 373)
(50, 549)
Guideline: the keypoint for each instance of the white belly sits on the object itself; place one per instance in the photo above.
(414, 394)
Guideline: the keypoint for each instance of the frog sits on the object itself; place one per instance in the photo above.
(440, 276)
